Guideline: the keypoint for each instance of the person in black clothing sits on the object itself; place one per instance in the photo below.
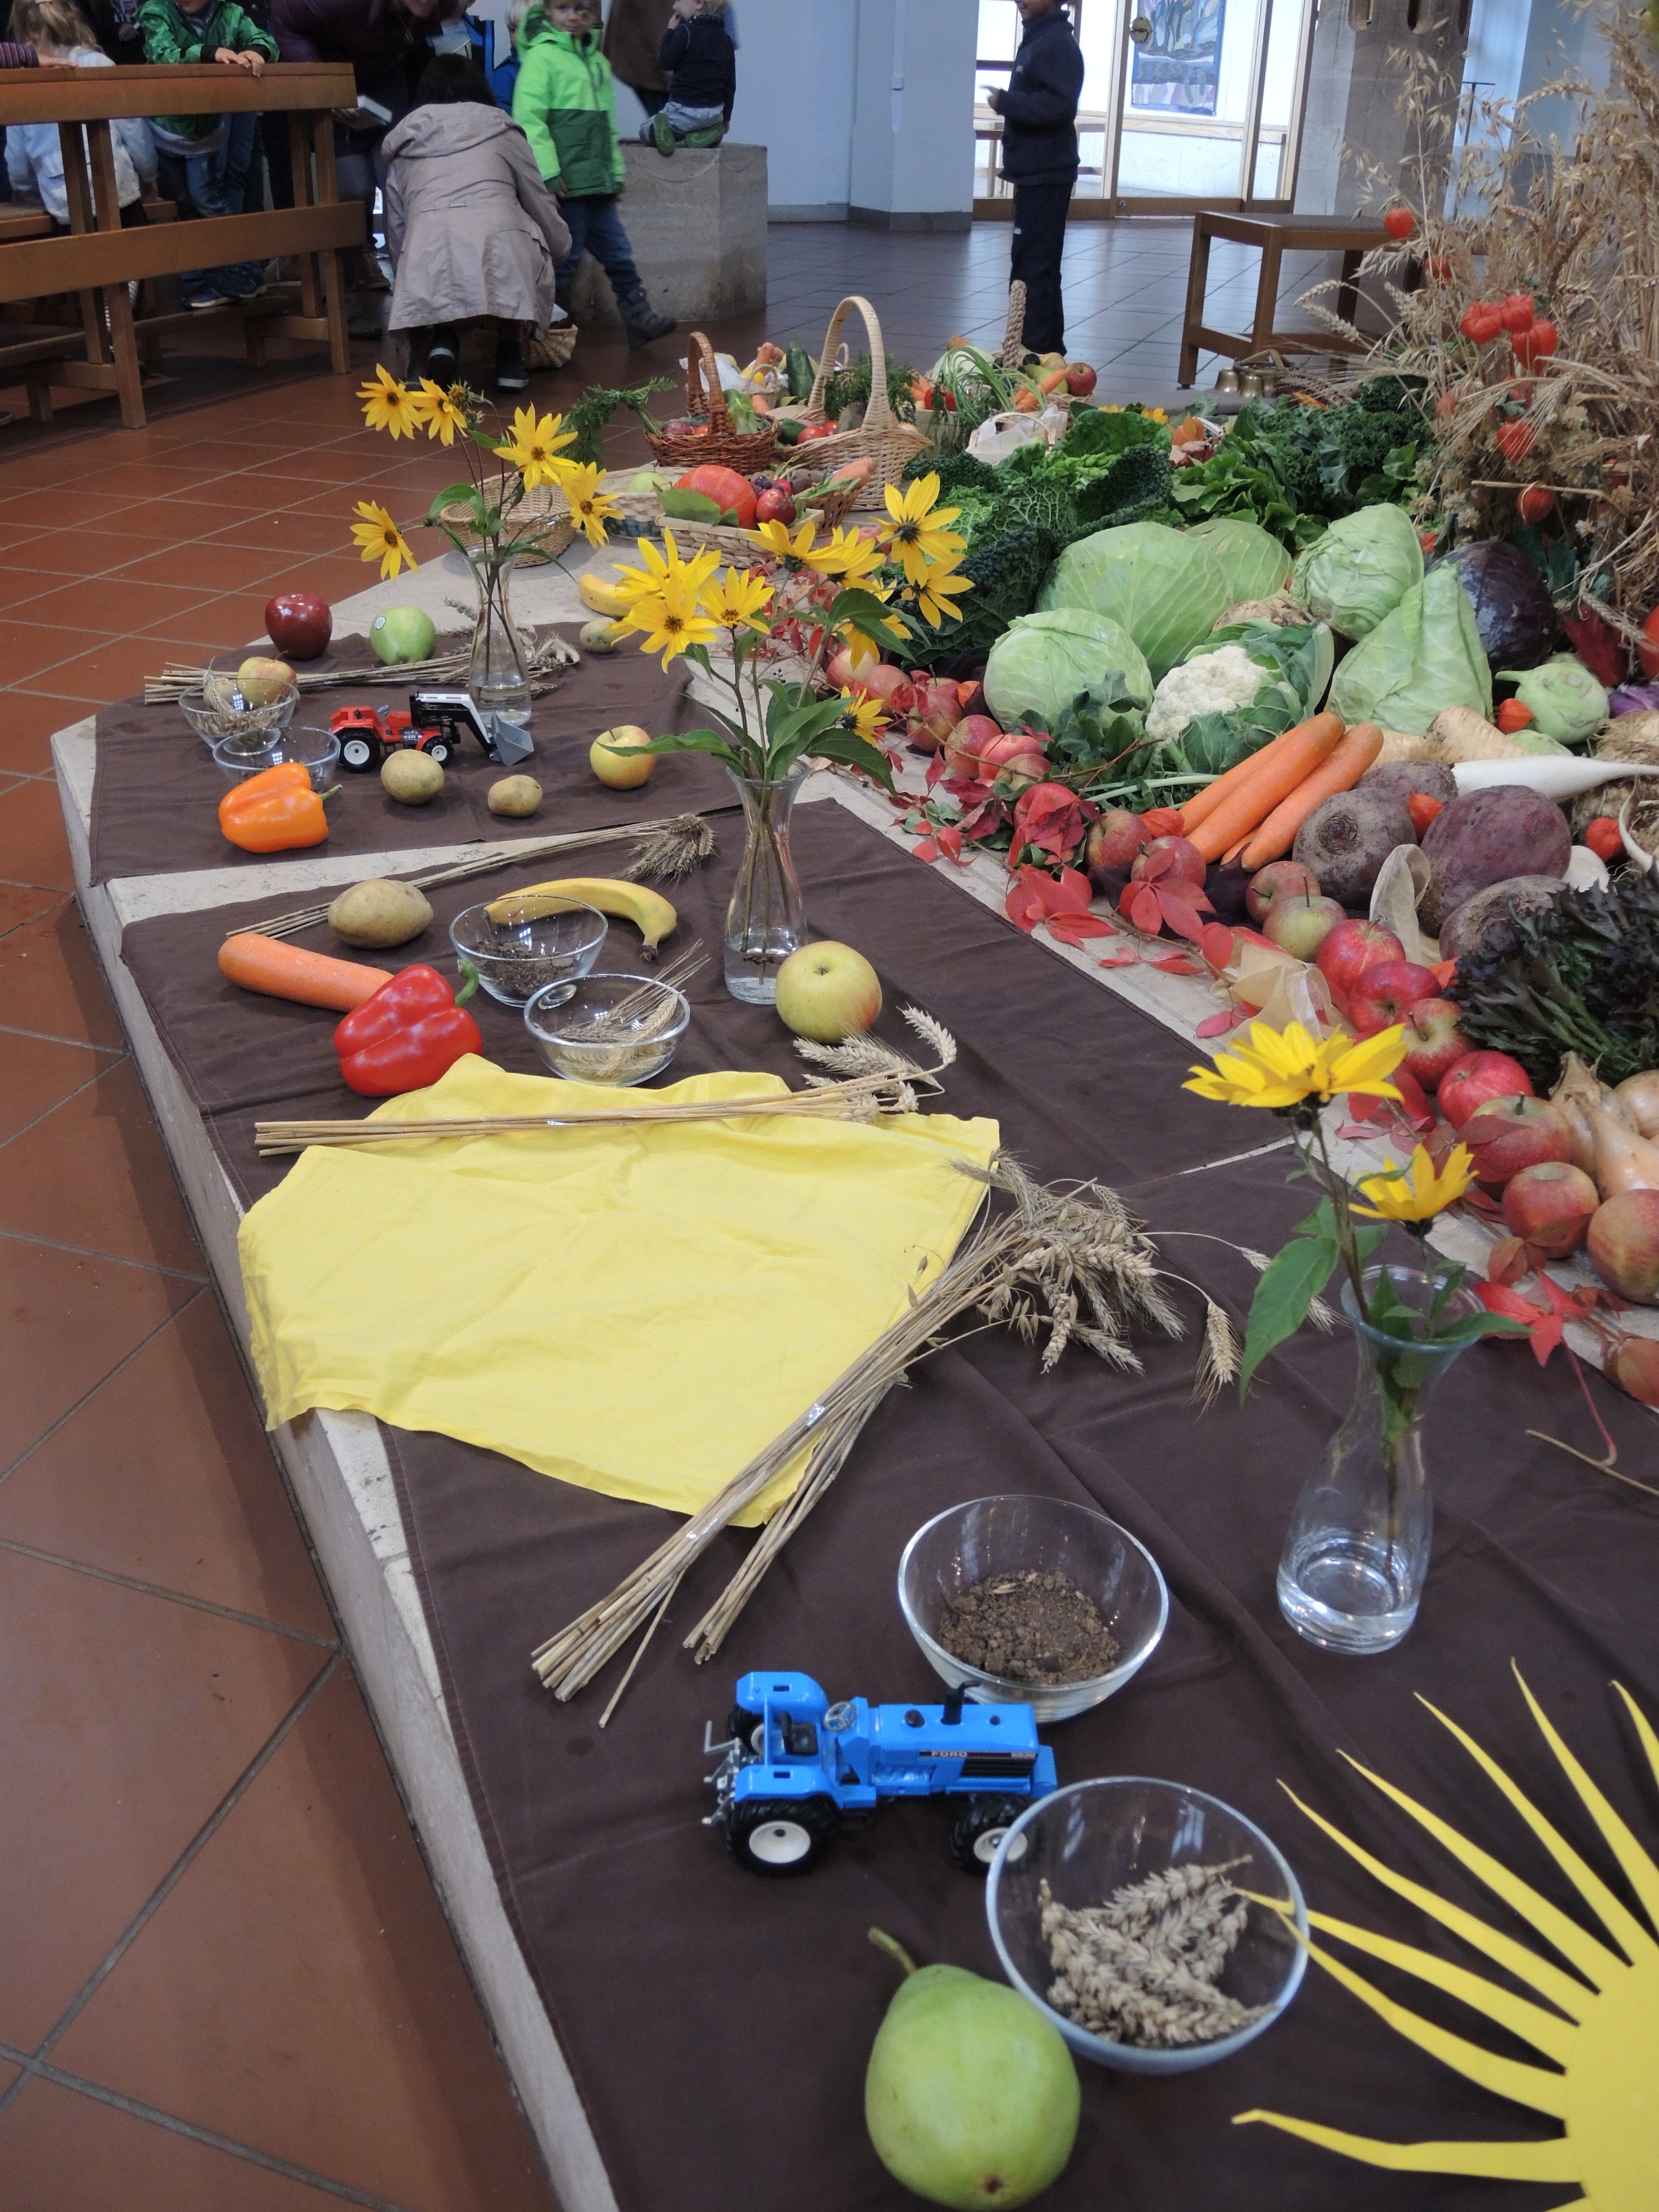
(1040, 160)
(699, 62)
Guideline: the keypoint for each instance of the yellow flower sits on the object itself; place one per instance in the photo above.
(1278, 1068)
(865, 714)
(381, 540)
(672, 620)
(1416, 1192)
(935, 594)
(737, 599)
(666, 568)
(775, 536)
(916, 533)
(580, 483)
(532, 450)
(1154, 414)
(868, 640)
(389, 405)
(442, 412)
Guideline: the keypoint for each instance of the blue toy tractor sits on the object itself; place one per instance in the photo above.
(797, 1771)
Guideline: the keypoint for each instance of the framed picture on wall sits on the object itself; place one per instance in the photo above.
(1178, 68)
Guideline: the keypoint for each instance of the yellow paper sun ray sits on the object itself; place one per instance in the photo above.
(1645, 1730)
(1562, 1990)
(1603, 2094)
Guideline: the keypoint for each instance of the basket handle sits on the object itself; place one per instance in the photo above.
(700, 365)
(879, 415)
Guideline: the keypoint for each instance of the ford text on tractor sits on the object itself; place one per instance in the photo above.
(797, 1771)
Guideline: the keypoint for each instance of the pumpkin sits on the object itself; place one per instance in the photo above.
(732, 493)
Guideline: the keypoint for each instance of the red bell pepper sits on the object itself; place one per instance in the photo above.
(412, 1031)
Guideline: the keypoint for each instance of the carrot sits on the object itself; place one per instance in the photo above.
(1296, 756)
(1339, 771)
(285, 971)
(1197, 809)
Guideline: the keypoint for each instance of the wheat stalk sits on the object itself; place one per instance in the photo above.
(547, 659)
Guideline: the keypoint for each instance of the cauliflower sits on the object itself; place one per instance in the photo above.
(1214, 683)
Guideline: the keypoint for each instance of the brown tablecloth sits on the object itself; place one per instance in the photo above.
(155, 797)
(717, 2026)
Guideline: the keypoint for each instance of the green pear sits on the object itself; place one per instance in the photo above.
(971, 2097)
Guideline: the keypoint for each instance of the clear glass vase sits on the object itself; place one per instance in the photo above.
(1351, 1573)
(498, 667)
(765, 921)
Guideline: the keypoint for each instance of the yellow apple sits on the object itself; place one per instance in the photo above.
(617, 768)
(262, 681)
(828, 991)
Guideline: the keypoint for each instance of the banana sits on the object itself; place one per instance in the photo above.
(600, 597)
(648, 911)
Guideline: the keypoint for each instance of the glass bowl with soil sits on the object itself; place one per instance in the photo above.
(616, 1029)
(518, 961)
(1032, 1601)
(1130, 1911)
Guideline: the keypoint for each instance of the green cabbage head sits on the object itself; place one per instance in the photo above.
(1041, 661)
(1360, 570)
(1163, 586)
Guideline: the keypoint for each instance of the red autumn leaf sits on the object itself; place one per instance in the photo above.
(1073, 929)
(1218, 1024)
(1073, 891)
(1120, 960)
(1216, 944)
(1162, 822)
(1508, 1261)
(1181, 915)
(1174, 964)
(1543, 1328)
(928, 850)
(936, 767)
(1047, 815)
(1140, 909)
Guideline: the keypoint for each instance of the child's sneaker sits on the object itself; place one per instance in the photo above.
(662, 134)
(205, 294)
(710, 134)
(511, 374)
(242, 283)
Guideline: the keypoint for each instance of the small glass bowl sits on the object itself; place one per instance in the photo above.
(652, 1030)
(317, 750)
(518, 961)
(238, 758)
(1096, 1837)
(997, 1535)
(221, 710)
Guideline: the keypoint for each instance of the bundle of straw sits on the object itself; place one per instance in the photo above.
(669, 850)
(548, 658)
(1072, 1262)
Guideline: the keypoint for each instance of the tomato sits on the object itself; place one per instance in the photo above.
(1482, 321)
(1513, 716)
(731, 493)
(1649, 654)
(814, 431)
(1514, 440)
(1400, 222)
(1518, 311)
(1605, 838)
(1535, 502)
(1423, 810)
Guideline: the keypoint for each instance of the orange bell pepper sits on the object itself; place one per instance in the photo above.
(276, 811)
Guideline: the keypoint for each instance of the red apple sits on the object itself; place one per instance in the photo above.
(1187, 863)
(299, 624)
(1549, 1205)
(937, 712)
(1276, 880)
(1634, 1365)
(1509, 1133)
(1080, 379)
(1434, 1041)
(1623, 1245)
(1300, 926)
(1353, 947)
(1478, 1076)
(1015, 776)
(1385, 994)
(1115, 839)
(965, 747)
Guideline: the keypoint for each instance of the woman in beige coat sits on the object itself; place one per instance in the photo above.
(470, 227)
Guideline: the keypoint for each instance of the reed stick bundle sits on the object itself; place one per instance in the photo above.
(669, 850)
(1071, 1263)
(548, 658)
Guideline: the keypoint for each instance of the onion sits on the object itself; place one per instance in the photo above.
(1624, 1161)
(1637, 1098)
(1578, 1093)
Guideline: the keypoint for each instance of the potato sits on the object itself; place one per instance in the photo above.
(1487, 837)
(1406, 779)
(1346, 840)
(515, 796)
(411, 778)
(1469, 925)
(379, 913)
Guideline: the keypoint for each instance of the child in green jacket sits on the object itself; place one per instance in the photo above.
(193, 153)
(565, 103)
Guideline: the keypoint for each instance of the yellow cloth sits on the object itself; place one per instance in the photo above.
(637, 1310)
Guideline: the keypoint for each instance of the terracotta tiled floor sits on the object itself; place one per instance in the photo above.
(225, 1980)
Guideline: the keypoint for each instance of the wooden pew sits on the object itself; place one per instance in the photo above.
(99, 259)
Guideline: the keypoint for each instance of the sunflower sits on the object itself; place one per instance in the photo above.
(672, 620)
(936, 592)
(1416, 1192)
(1277, 1068)
(590, 508)
(737, 599)
(775, 536)
(389, 405)
(532, 450)
(664, 567)
(865, 714)
(380, 539)
(442, 412)
(917, 534)
(851, 557)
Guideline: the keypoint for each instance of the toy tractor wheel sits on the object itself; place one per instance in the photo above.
(437, 748)
(358, 752)
(979, 1827)
(746, 1727)
(781, 1836)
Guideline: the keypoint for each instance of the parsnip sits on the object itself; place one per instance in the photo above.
(1461, 734)
(1400, 745)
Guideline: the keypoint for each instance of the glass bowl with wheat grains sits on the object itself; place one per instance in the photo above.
(619, 1029)
(1158, 1930)
(228, 706)
(542, 959)
(1032, 1601)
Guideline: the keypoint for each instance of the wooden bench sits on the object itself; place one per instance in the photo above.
(1276, 235)
(100, 258)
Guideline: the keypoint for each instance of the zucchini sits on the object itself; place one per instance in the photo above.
(800, 372)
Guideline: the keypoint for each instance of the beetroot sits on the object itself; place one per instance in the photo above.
(1468, 927)
(1487, 837)
(1346, 840)
(1406, 779)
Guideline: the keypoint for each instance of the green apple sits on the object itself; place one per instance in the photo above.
(402, 634)
(262, 681)
(828, 991)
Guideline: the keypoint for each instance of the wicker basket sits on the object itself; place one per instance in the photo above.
(641, 506)
(889, 442)
(1012, 356)
(546, 500)
(746, 451)
(552, 348)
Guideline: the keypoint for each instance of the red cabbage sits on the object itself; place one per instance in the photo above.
(1634, 699)
(1513, 610)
